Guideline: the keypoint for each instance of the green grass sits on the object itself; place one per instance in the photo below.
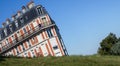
(63, 61)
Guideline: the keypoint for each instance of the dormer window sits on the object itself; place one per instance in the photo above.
(10, 26)
(26, 17)
(3, 25)
(23, 9)
(0, 36)
(13, 17)
(39, 10)
(7, 21)
(5, 31)
(18, 13)
(22, 21)
(16, 23)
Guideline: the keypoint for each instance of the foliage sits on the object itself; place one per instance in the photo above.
(115, 50)
(107, 44)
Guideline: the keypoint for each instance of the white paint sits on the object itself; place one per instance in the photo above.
(44, 49)
(39, 37)
(35, 23)
(54, 43)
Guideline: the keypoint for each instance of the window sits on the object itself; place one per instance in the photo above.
(16, 37)
(7, 42)
(25, 53)
(17, 50)
(57, 53)
(5, 31)
(13, 26)
(22, 21)
(33, 53)
(0, 35)
(44, 19)
(42, 44)
(33, 39)
(16, 23)
(26, 17)
(23, 47)
(31, 50)
(18, 34)
(8, 30)
(49, 33)
(13, 39)
(24, 30)
(10, 26)
(39, 10)
(55, 47)
(28, 43)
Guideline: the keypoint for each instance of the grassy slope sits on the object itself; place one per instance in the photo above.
(63, 61)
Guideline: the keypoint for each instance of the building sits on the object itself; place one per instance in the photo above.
(31, 33)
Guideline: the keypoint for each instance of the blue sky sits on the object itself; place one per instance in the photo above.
(82, 23)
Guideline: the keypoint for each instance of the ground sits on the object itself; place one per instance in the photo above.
(94, 60)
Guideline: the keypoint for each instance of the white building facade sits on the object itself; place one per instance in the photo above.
(31, 33)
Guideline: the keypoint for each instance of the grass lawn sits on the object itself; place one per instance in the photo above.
(63, 61)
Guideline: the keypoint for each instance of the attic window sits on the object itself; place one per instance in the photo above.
(16, 23)
(5, 31)
(0, 36)
(10, 26)
(22, 21)
(39, 9)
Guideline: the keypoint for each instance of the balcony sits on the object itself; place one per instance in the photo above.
(28, 34)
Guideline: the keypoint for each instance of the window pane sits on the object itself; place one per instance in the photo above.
(55, 47)
(24, 30)
(49, 33)
(39, 10)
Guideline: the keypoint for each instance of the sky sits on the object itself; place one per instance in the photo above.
(82, 23)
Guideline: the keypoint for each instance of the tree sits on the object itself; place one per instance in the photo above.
(115, 50)
(107, 43)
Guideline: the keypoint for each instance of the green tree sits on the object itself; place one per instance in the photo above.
(107, 43)
(115, 50)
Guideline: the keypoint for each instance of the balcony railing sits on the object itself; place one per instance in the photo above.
(26, 35)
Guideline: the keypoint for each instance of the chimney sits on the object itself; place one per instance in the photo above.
(3, 25)
(7, 21)
(23, 9)
(30, 5)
